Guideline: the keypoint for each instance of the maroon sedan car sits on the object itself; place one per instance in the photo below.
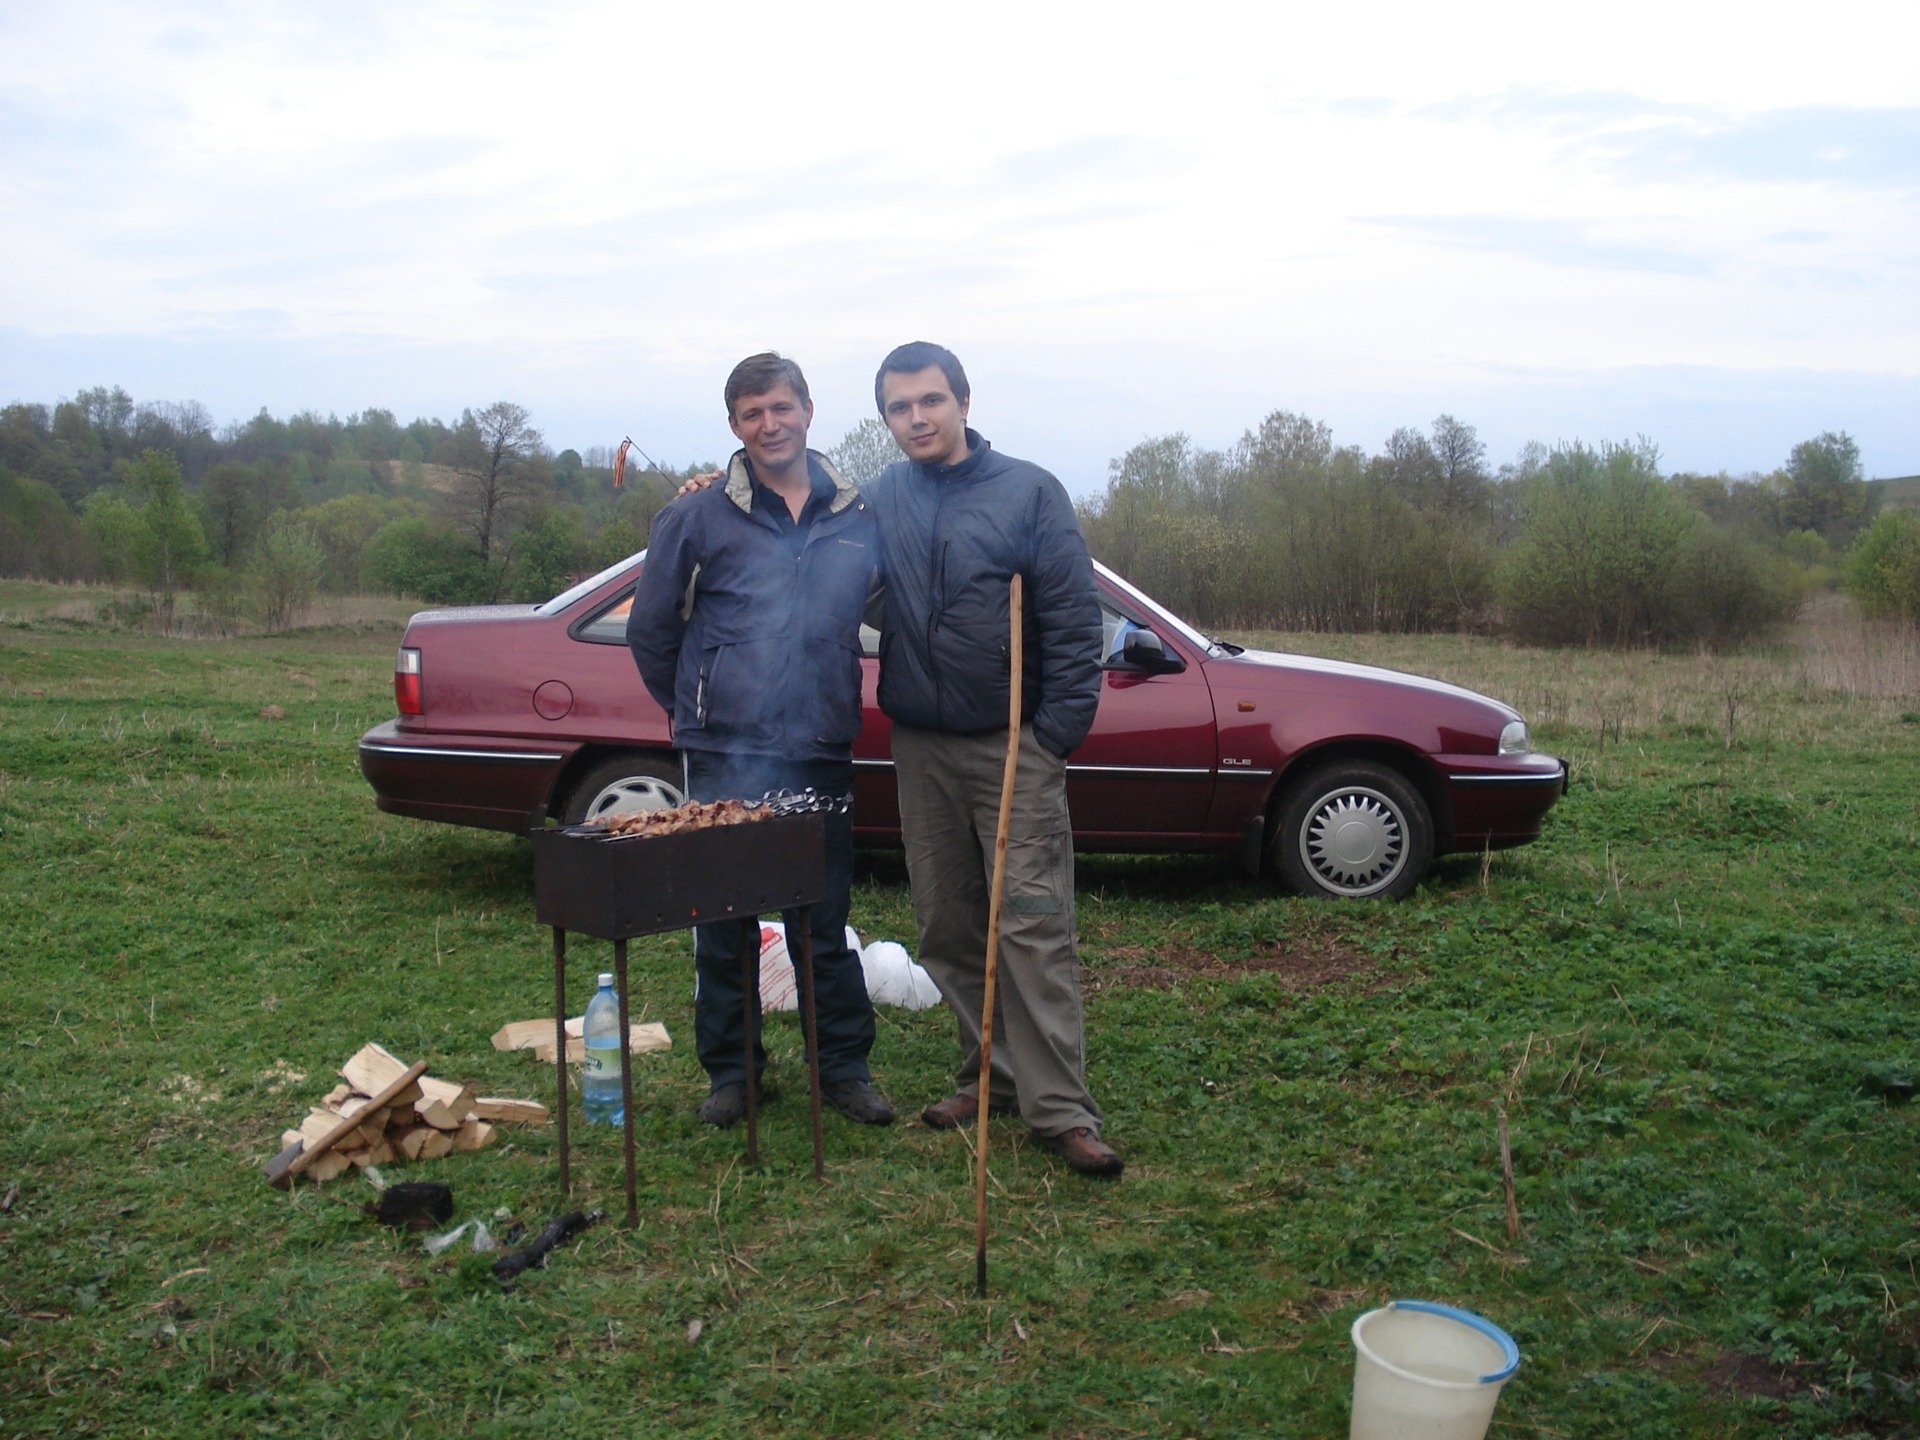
(1348, 778)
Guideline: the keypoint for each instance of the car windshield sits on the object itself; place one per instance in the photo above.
(592, 583)
(1160, 612)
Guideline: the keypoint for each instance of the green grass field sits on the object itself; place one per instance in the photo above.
(1693, 1001)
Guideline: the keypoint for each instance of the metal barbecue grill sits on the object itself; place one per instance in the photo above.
(616, 887)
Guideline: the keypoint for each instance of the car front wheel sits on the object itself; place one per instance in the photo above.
(626, 782)
(1355, 830)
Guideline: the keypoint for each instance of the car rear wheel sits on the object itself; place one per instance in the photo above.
(626, 782)
(1355, 830)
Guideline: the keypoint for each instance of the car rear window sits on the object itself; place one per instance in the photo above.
(608, 626)
(585, 587)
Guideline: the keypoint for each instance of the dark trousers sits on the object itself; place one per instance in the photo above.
(843, 1014)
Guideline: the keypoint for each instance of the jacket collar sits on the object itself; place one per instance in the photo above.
(966, 469)
(740, 482)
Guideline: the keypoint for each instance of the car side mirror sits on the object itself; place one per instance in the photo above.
(1143, 650)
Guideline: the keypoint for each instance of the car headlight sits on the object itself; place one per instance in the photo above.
(1514, 740)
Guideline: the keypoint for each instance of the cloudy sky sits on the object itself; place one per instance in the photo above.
(1697, 222)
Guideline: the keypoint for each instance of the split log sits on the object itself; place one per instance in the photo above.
(522, 1034)
(537, 1036)
(372, 1069)
(510, 1112)
(318, 1124)
(641, 1038)
(442, 1104)
(473, 1135)
(409, 1140)
(327, 1166)
(380, 1152)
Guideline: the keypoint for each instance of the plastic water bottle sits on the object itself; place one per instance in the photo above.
(600, 1076)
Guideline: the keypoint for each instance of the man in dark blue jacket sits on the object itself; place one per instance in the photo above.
(958, 520)
(746, 628)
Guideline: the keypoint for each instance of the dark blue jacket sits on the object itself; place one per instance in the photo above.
(953, 537)
(754, 649)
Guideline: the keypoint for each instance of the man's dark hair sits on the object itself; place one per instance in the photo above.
(758, 374)
(915, 356)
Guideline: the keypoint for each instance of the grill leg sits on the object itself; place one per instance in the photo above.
(750, 1014)
(812, 1036)
(626, 1076)
(560, 1048)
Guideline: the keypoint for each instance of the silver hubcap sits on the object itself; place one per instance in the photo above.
(636, 792)
(1355, 842)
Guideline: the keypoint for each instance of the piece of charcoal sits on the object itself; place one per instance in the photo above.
(415, 1205)
(508, 1266)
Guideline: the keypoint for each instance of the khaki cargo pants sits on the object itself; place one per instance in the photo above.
(949, 811)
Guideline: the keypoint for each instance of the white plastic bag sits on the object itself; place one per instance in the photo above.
(892, 977)
(483, 1240)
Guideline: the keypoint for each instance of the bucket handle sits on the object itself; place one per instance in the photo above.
(1510, 1351)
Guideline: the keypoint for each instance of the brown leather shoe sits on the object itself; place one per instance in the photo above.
(1084, 1151)
(958, 1110)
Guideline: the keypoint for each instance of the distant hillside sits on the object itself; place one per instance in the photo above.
(1900, 493)
(393, 474)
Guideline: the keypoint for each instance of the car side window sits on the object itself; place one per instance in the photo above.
(609, 626)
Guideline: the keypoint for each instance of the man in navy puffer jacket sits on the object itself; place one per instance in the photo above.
(746, 628)
(958, 520)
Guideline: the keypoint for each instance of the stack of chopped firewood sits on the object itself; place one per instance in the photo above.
(427, 1119)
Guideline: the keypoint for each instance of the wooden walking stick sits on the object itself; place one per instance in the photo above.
(993, 941)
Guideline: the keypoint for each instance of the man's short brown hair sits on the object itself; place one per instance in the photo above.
(757, 374)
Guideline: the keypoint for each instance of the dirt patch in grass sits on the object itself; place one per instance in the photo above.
(1298, 966)
(1731, 1373)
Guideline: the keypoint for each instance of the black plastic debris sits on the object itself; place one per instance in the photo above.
(414, 1205)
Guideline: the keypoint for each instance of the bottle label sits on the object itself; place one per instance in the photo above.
(602, 1063)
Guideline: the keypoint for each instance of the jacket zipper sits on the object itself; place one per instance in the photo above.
(937, 586)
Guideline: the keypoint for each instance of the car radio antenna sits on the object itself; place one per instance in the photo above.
(620, 460)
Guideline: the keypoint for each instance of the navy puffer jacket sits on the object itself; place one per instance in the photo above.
(752, 650)
(954, 536)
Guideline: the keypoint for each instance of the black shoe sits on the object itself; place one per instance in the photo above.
(726, 1106)
(859, 1102)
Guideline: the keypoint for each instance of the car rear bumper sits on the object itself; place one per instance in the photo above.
(460, 779)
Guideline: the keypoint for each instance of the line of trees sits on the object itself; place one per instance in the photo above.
(1567, 545)
(1570, 545)
(256, 519)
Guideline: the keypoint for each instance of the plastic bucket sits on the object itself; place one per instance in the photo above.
(1423, 1371)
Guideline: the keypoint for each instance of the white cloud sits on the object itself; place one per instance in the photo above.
(1128, 221)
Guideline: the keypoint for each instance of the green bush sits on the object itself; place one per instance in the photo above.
(1724, 589)
(39, 536)
(412, 557)
(546, 554)
(284, 571)
(1883, 567)
(1609, 554)
(1601, 531)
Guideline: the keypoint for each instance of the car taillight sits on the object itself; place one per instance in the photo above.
(406, 682)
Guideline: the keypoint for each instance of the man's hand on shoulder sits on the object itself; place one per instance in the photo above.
(697, 482)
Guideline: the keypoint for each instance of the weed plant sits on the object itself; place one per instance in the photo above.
(1691, 1002)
